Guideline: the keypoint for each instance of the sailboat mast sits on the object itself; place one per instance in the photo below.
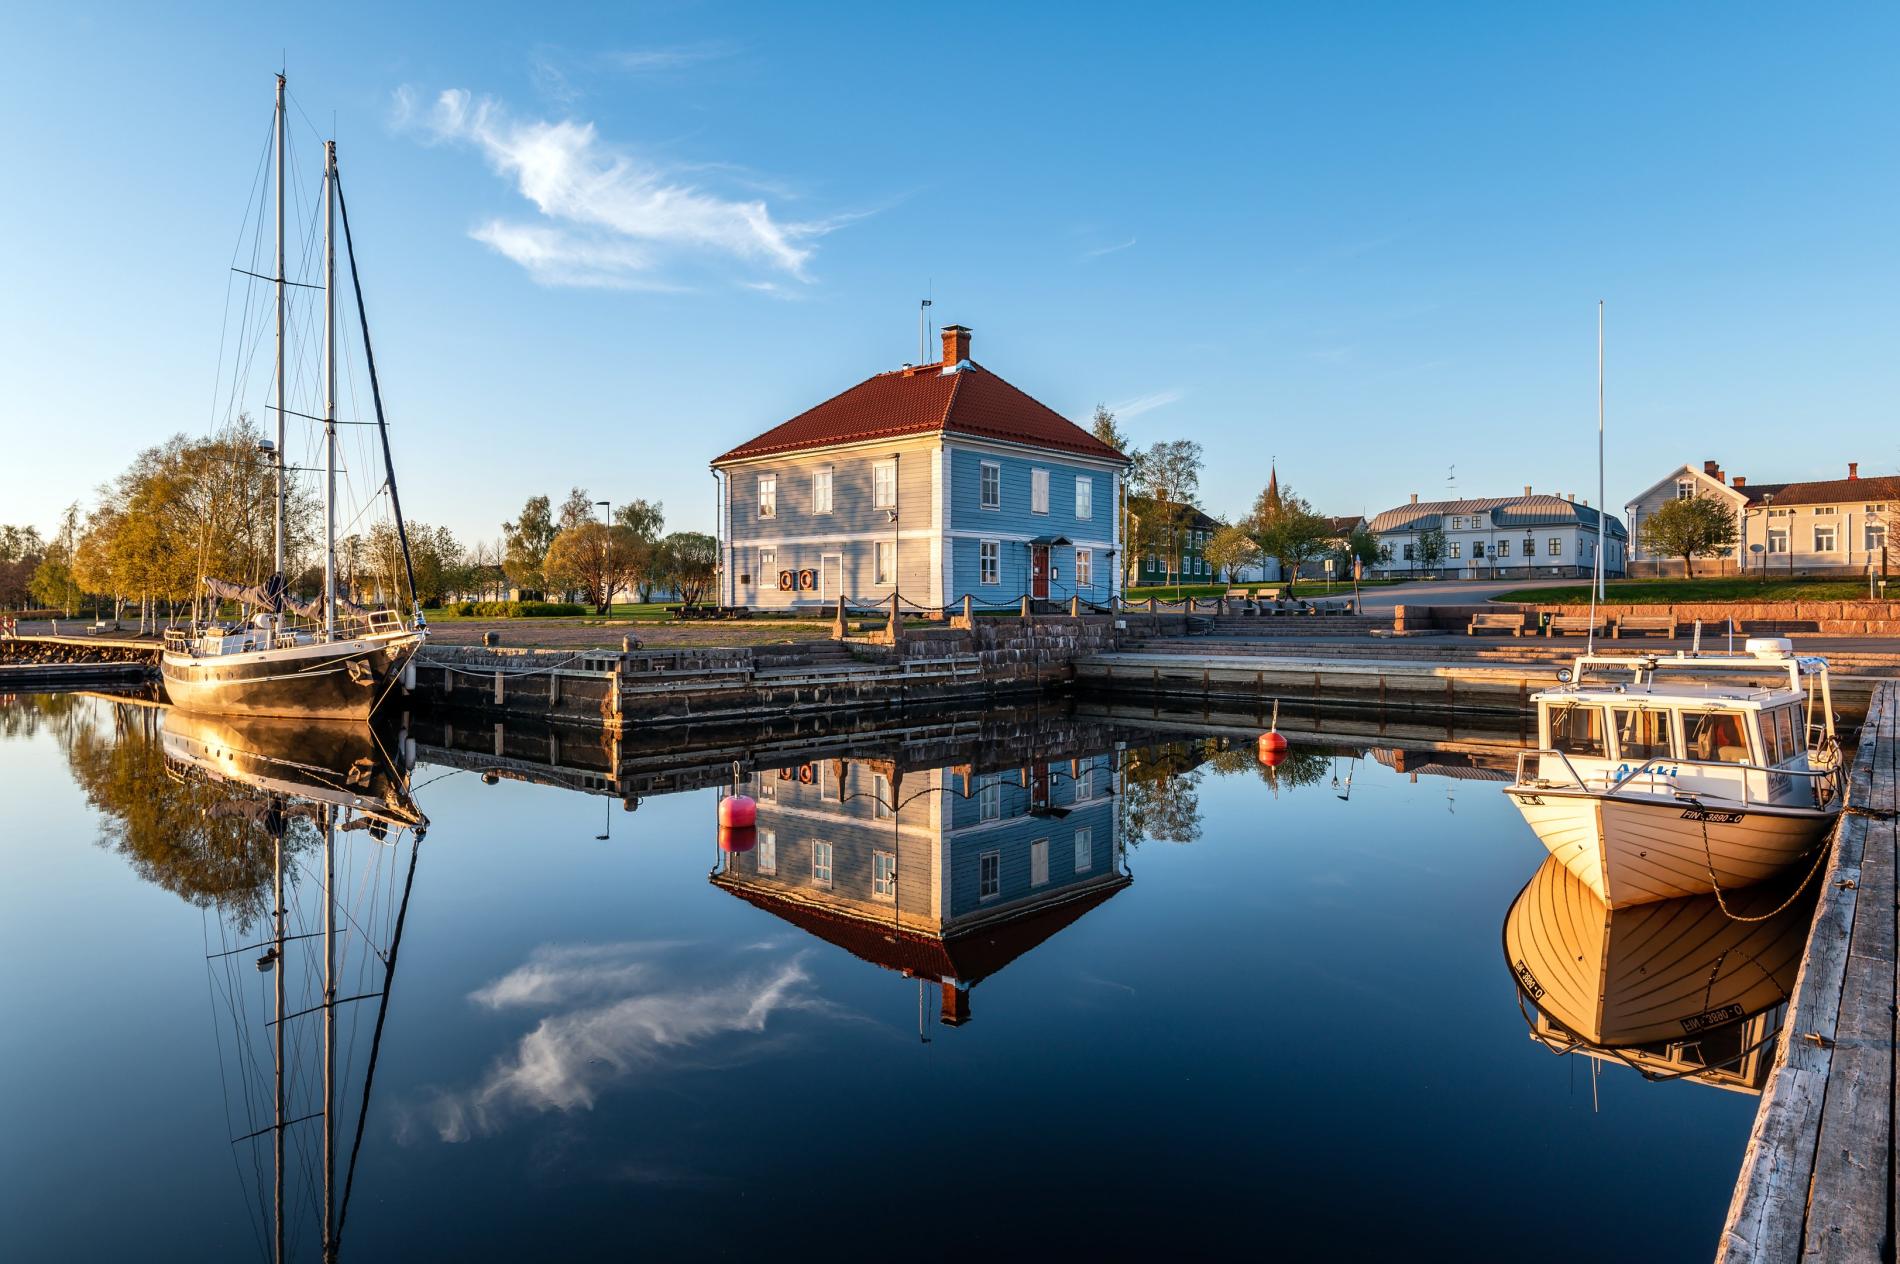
(329, 390)
(277, 1141)
(1603, 505)
(278, 456)
(329, 1027)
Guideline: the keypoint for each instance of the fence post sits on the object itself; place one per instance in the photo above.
(1026, 614)
(838, 626)
(897, 622)
(1075, 606)
(969, 610)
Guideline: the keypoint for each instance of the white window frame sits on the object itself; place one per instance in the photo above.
(1554, 546)
(765, 786)
(1455, 549)
(1875, 536)
(828, 784)
(1504, 548)
(989, 482)
(1038, 490)
(989, 562)
(989, 799)
(1827, 531)
(1038, 862)
(768, 495)
(881, 806)
(821, 859)
(884, 875)
(989, 885)
(1085, 783)
(1824, 511)
(1084, 568)
(884, 563)
(884, 485)
(1084, 497)
(767, 578)
(768, 851)
(1778, 539)
(1084, 849)
(821, 482)
(1685, 489)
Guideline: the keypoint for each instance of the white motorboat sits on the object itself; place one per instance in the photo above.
(1657, 778)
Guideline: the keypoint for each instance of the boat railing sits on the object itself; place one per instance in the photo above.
(1575, 776)
(1828, 780)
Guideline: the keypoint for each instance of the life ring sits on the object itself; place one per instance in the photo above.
(785, 581)
(806, 774)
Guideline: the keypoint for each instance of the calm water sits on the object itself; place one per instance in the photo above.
(1191, 1006)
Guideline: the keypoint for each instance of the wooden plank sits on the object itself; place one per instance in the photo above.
(1847, 1208)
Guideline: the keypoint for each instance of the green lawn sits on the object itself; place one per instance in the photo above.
(1655, 592)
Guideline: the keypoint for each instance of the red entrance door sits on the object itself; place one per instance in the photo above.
(1039, 571)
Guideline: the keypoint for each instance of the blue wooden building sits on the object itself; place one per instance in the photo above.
(929, 482)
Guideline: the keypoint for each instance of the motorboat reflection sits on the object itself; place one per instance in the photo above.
(1674, 989)
(942, 874)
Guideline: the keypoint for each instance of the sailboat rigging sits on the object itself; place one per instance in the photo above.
(342, 660)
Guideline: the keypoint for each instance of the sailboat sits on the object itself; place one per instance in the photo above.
(340, 661)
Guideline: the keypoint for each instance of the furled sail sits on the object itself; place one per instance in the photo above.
(313, 609)
(264, 596)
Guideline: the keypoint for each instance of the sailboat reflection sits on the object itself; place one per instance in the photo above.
(330, 804)
(942, 874)
(1675, 989)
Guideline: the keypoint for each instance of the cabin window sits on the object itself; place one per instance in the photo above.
(1084, 568)
(1039, 862)
(884, 485)
(1641, 734)
(821, 864)
(989, 562)
(884, 875)
(1578, 730)
(768, 495)
(881, 796)
(1824, 538)
(1039, 491)
(992, 484)
(989, 875)
(768, 851)
(1084, 496)
(1554, 546)
(884, 563)
(989, 800)
(821, 490)
(1716, 737)
(1084, 850)
(1788, 733)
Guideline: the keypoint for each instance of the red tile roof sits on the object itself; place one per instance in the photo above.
(1834, 491)
(927, 400)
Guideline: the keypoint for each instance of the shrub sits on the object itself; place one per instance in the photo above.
(519, 609)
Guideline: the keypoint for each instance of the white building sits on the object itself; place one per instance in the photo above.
(1507, 537)
(1833, 525)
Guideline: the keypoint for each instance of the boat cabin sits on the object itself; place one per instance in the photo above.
(1749, 729)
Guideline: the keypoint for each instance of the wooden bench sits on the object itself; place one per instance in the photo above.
(1512, 623)
(1663, 623)
(1575, 625)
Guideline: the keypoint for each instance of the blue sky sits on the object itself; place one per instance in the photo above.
(1366, 240)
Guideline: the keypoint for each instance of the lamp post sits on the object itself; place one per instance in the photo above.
(606, 550)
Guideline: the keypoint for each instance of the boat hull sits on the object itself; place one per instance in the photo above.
(339, 680)
(1633, 850)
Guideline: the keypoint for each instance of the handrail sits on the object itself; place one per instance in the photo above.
(1832, 776)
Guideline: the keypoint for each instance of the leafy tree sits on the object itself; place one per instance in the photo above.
(1168, 473)
(1232, 549)
(1107, 430)
(689, 560)
(1700, 526)
(1161, 793)
(591, 558)
(576, 509)
(21, 551)
(1430, 548)
(1289, 532)
(645, 519)
(525, 543)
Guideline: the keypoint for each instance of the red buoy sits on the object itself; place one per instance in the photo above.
(738, 810)
(1271, 741)
(1272, 758)
(737, 838)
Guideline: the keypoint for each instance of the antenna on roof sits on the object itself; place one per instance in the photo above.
(1451, 481)
(923, 339)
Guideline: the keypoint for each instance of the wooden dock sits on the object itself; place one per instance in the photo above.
(1817, 1179)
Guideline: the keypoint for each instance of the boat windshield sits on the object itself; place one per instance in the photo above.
(1716, 737)
(1778, 729)
(1642, 734)
(1578, 730)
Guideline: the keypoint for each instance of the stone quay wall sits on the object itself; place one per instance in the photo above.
(1771, 618)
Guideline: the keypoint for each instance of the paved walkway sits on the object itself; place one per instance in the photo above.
(1448, 592)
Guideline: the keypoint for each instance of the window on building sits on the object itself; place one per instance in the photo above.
(1875, 535)
(768, 495)
(1039, 491)
(821, 490)
(1777, 539)
(1825, 537)
(1824, 511)
(1504, 548)
(1410, 551)
(991, 480)
(1039, 862)
(989, 556)
(884, 485)
(1578, 730)
(1084, 496)
(768, 569)
(881, 806)
(1085, 783)
(989, 875)
(1685, 488)
(884, 875)
(1455, 549)
(989, 800)
(1084, 850)
(821, 864)
(884, 563)
(768, 851)
(1084, 568)
(1873, 509)
(828, 780)
(1477, 548)
(765, 786)
(1554, 546)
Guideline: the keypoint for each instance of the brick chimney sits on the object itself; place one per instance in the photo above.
(1527, 491)
(1738, 481)
(1713, 470)
(1414, 498)
(956, 345)
(956, 1000)
(1853, 470)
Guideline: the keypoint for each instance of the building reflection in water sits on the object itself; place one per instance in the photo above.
(942, 874)
(1678, 989)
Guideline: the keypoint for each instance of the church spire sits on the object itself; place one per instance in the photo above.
(1273, 487)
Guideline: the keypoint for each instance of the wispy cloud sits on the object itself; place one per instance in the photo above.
(622, 1021)
(1146, 403)
(609, 218)
(648, 60)
(1099, 251)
